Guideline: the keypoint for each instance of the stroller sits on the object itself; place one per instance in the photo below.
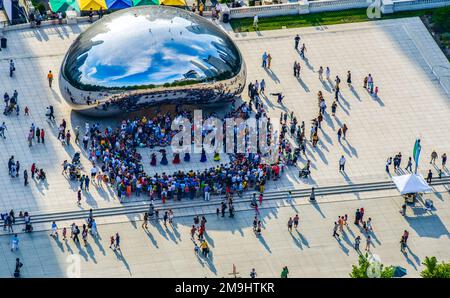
(9, 109)
(74, 172)
(304, 173)
(76, 159)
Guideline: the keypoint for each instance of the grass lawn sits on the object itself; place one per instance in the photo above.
(317, 19)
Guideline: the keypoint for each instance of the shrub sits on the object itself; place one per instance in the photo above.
(441, 19)
(364, 267)
(434, 269)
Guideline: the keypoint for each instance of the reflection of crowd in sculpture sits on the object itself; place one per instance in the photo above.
(115, 151)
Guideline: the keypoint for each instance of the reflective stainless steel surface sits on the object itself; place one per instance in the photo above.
(149, 55)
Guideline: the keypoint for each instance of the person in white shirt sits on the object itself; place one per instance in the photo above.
(342, 163)
(255, 22)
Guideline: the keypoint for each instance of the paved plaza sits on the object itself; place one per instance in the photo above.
(310, 251)
(400, 54)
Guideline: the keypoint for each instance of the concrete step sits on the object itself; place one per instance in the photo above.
(142, 207)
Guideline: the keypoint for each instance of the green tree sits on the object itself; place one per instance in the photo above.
(434, 269)
(365, 269)
(441, 19)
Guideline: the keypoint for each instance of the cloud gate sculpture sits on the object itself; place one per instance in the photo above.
(150, 55)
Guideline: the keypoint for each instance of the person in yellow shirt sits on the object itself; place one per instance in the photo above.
(201, 8)
(50, 78)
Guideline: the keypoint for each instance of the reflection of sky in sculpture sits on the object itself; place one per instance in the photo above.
(122, 51)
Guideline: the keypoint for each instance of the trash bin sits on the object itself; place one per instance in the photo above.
(226, 17)
(225, 14)
(3, 42)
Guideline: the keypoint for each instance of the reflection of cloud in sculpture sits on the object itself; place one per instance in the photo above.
(151, 49)
(151, 54)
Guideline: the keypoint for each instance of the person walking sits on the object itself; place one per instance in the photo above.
(344, 130)
(3, 128)
(145, 222)
(54, 229)
(409, 165)
(64, 233)
(290, 222)
(75, 235)
(14, 243)
(117, 243)
(342, 164)
(12, 68)
(111, 242)
(253, 273)
(335, 233)
(444, 160)
(302, 51)
(50, 78)
(388, 163)
(79, 197)
(296, 220)
(320, 71)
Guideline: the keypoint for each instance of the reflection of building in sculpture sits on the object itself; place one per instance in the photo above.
(150, 54)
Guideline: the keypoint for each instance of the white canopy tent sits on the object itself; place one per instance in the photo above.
(411, 183)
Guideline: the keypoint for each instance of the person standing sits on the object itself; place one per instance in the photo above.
(269, 60)
(117, 244)
(19, 265)
(349, 78)
(50, 78)
(444, 160)
(253, 273)
(255, 22)
(320, 73)
(339, 134)
(434, 156)
(79, 197)
(342, 164)
(429, 176)
(25, 178)
(42, 136)
(297, 41)
(357, 242)
(2, 130)
(344, 130)
(312, 196)
(369, 243)
(327, 73)
(284, 272)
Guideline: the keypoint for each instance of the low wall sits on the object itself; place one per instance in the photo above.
(305, 7)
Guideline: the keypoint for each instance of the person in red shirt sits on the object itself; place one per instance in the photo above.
(42, 136)
(33, 170)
